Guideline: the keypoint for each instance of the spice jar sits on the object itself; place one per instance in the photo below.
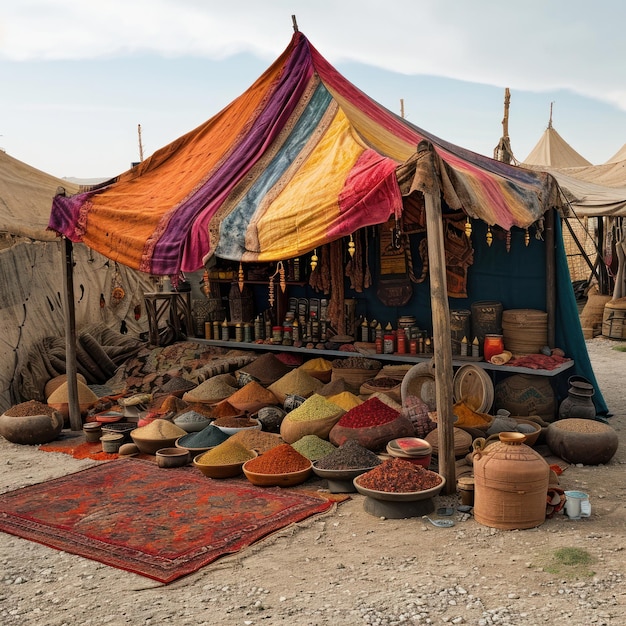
(225, 331)
(401, 340)
(238, 332)
(388, 344)
(277, 334)
(494, 344)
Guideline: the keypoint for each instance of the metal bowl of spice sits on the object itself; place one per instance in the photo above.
(232, 425)
(400, 481)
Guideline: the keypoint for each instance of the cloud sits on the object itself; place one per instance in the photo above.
(534, 45)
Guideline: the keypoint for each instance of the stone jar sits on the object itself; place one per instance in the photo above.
(31, 429)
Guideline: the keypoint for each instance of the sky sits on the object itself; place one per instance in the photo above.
(79, 77)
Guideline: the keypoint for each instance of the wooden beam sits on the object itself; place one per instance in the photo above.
(76, 422)
(442, 349)
(551, 277)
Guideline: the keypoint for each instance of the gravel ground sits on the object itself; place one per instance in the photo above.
(349, 567)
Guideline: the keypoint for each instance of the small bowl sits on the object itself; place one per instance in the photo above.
(192, 426)
(172, 457)
(119, 428)
(531, 438)
(407, 496)
(288, 479)
(111, 442)
(231, 431)
(219, 471)
(340, 480)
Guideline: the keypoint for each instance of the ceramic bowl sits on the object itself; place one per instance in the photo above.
(191, 425)
(231, 431)
(340, 481)
(194, 452)
(277, 480)
(219, 471)
(531, 438)
(408, 496)
(172, 457)
(150, 446)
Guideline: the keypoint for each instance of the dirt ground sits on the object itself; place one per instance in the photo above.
(350, 567)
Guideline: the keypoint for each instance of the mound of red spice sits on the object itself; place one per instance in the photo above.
(399, 476)
(372, 412)
(282, 459)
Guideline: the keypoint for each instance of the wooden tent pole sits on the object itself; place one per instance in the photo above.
(76, 422)
(442, 350)
(551, 277)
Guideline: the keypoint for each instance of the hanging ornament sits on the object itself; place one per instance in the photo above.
(314, 260)
(240, 277)
(270, 292)
(351, 246)
(526, 237)
(206, 286)
(137, 311)
(280, 267)
(468, 227)
(117, 291)
(508, 241)
(489, 236)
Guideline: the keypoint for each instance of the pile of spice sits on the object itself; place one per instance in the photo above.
(297, 382)
(267, 369)
(252, 397)
(32, 407)
(159, 429)
(283, 459)
(224, 409)
(208, 437)
(372, 412)
(236, 422)
(191, 418)
(226, 453)
(313, 447)
(333, 388)
(257, 440)
(350, 455)
(346, 400)
(213, 389)
(399, 476)
(314, 408)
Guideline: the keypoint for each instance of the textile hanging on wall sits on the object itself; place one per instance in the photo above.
(394, 284)
(459, 254)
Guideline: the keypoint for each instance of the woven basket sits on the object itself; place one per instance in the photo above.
(353, 378)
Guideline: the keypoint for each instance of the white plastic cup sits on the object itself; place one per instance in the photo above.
(577, 504)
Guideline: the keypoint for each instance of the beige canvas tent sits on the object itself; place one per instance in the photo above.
(32, 260)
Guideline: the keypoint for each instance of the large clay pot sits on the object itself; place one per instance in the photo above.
(585, 441)
(579, 401)
(510, 484)
(31, 429)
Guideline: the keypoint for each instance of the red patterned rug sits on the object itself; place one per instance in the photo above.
(160, 523)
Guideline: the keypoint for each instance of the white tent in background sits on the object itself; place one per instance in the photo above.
(553, 151)
(620, 155)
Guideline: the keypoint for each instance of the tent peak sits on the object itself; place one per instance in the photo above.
(294, 23)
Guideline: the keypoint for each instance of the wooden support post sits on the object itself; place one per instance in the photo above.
(441, 319)
(76, 422)
(551, 277)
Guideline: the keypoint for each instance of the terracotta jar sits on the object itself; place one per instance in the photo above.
(510, 484)
(30, 429)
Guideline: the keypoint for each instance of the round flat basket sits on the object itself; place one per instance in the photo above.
(473, 386)
(462, 441)
(419, 381)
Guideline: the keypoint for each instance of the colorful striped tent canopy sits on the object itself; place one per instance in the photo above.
(300, 159)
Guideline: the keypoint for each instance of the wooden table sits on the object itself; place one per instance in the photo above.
(175, 303)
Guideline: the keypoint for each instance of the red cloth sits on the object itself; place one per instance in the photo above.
(538, 361)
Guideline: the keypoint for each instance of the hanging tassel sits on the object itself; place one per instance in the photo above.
(351, 246)
(468, 227)
(281, 276)
(206, 286)
(489, 236)
(270, 293)
(240, 279)
(526, 238)
(508, 241)
(314, 260)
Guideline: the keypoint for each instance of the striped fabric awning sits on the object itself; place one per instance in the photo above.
(300, 159)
